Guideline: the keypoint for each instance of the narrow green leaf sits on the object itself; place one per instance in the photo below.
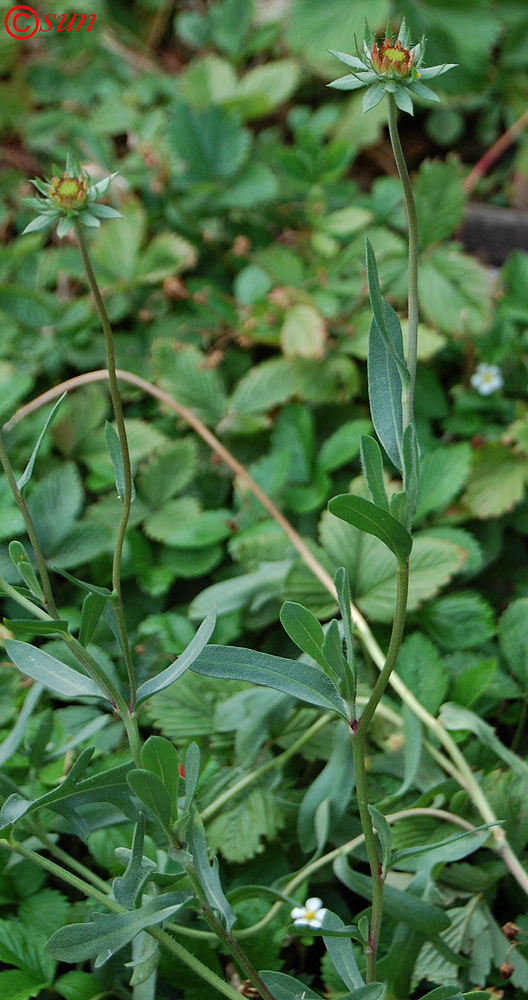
(21, 560)
(160, 756)
(403, 906)
(207, 873)
(109, 932)
(411, 471)
(108, 786)
(380, 314)
(303, 629)
(184, 661)
(454, 717)
(344, 599)
(372, 465)
(89, 587)
(127, 887)
(290, 676)
(385, 388)
(367, 517)
(114, 447)
(55, 676)
(33, 626)
(150, 789)
(332, 650)
(441, 850)
(383, 830)
(93, 607)
(13, 741)
(342, 953)
(28, 471)
(192, 773)
(398, 507)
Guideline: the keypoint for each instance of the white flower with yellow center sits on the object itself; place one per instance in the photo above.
(310, 915)
(487, 379)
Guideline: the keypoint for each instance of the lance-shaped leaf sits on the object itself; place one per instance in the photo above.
(380, 315)
(192, 773)
(383, 830)
(114, 447)
(108, 786)
(372, 465)
(304, 630)
(28, 471)
(160, 756)
(53, 674)
(92, 609)
(184, 661)
(13, 741)
(341, 952)
(21, 560)
(367, 517)
(127, 887)
(403, 906)
(207, 873)
(411, 471)
(301, 680)
(33, 626)
(109, 932)
(385, 387)
(150, 789)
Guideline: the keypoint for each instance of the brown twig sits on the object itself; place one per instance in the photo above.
(494, 152)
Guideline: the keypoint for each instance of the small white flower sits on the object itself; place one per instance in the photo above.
(309, 915)
(487, 379)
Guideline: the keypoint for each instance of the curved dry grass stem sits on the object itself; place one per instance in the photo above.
(461, 769)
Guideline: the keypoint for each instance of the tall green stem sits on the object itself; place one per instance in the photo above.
(412, 219)
(123, 441)
(92, 893)
(20, 501)
(359, 738)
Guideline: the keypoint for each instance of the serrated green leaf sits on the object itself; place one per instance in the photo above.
(440, 199)
(343, 445)
(513, 640)
(263, 387)
(420, 667)
(455, 291)
(108, 933)
(211, 143)
(168, 472)
(459, 621)
(77, 986)
(367, 517)
(443, 473)
(16, 984)
(182, 373)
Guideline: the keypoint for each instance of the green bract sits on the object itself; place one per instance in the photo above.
(390, 67)
(68, 197)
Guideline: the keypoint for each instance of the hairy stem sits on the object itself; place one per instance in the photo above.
(462, 772)
(412, 219)
(123, 442)
(359, 738)
(20, 501)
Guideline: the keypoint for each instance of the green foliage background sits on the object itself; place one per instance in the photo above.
(236, 283)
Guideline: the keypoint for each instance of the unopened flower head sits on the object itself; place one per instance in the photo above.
(67, 197)
(310, 915)
(393, 67)
(487, 379)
